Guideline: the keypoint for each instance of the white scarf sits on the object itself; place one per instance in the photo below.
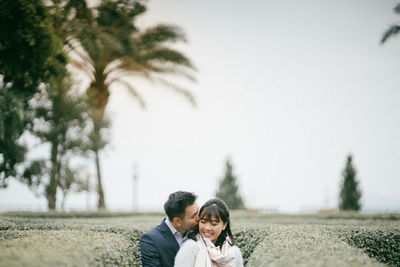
(212, 256)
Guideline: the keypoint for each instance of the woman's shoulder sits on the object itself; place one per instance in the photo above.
(238, 256)
(190, 243)
(187, 254)
(236, 249)
(189, 246)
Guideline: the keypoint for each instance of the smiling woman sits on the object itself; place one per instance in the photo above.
(212, 242)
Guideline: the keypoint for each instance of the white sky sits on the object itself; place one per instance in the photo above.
(285, 88)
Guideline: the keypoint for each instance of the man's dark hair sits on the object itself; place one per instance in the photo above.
(177, 203)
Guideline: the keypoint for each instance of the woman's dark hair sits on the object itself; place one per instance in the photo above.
(215, 208)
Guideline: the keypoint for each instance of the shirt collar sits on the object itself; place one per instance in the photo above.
(168, 223)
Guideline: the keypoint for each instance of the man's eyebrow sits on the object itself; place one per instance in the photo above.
(194, 214)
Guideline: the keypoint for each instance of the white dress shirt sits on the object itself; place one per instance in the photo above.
(178, 236)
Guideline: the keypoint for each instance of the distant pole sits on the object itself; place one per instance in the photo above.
(327, 197)
(135, 187)
(88, 191)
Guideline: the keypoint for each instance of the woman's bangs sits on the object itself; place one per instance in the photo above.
(209, 213)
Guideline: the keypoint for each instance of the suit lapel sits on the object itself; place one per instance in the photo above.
(168, 235)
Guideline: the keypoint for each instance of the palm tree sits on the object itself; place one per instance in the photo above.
(110, 47)
(394, 29)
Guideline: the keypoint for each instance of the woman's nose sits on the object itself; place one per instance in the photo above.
(207, 226)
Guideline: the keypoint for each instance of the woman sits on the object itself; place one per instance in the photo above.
(212, 243)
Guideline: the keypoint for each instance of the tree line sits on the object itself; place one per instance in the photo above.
(38, 97)
(349, 192)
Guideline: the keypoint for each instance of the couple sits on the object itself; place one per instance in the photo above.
(203, 238)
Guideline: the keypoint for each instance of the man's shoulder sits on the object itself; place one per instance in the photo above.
(155, 233)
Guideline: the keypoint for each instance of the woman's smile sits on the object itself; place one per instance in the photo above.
(206, 235)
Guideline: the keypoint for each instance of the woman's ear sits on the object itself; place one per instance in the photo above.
(224, 226)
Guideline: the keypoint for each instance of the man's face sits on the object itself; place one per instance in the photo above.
(191, 218)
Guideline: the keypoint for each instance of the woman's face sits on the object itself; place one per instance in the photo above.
(211, 229)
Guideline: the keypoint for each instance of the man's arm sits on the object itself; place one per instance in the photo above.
(149, 253)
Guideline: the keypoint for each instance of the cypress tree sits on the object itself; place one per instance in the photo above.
(228, 189)
(350, 193)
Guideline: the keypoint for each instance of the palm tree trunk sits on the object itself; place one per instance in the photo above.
(101, 203)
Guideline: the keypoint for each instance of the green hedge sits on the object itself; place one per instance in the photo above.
(248, 240)
(383, 245)
(102, 239)
(121, 249)
(64, 247)
(75, 214)
(307, 245)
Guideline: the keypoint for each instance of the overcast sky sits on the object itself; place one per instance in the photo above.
(286, 89)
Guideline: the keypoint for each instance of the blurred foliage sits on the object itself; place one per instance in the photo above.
(30, 52)
(384, 245)
(229, 190)
(394, 29)
(106, 43)
(350, 193)
(30, 55)
(59, 248)
(61, 120)
(247, 240)
(36, 96)
(307, 245)
(77, 214)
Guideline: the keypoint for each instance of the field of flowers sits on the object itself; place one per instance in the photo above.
(112, 239)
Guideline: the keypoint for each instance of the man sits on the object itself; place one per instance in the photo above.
(160, 245)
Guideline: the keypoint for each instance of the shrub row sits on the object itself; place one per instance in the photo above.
(307, 245)
(248, 239)
(343, 218)
(76, 214)
(262, 240)
(110, 245)
(64, 247)
(384, 245)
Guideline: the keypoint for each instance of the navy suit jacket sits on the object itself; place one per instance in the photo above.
(158, 247)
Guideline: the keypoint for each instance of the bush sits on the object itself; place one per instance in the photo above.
(248, 240)
(82, 244)
(383, 245)
(74, 214)
(64, 247)
(278, 240)
(307, 245)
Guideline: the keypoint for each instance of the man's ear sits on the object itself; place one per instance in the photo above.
(177, 221)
